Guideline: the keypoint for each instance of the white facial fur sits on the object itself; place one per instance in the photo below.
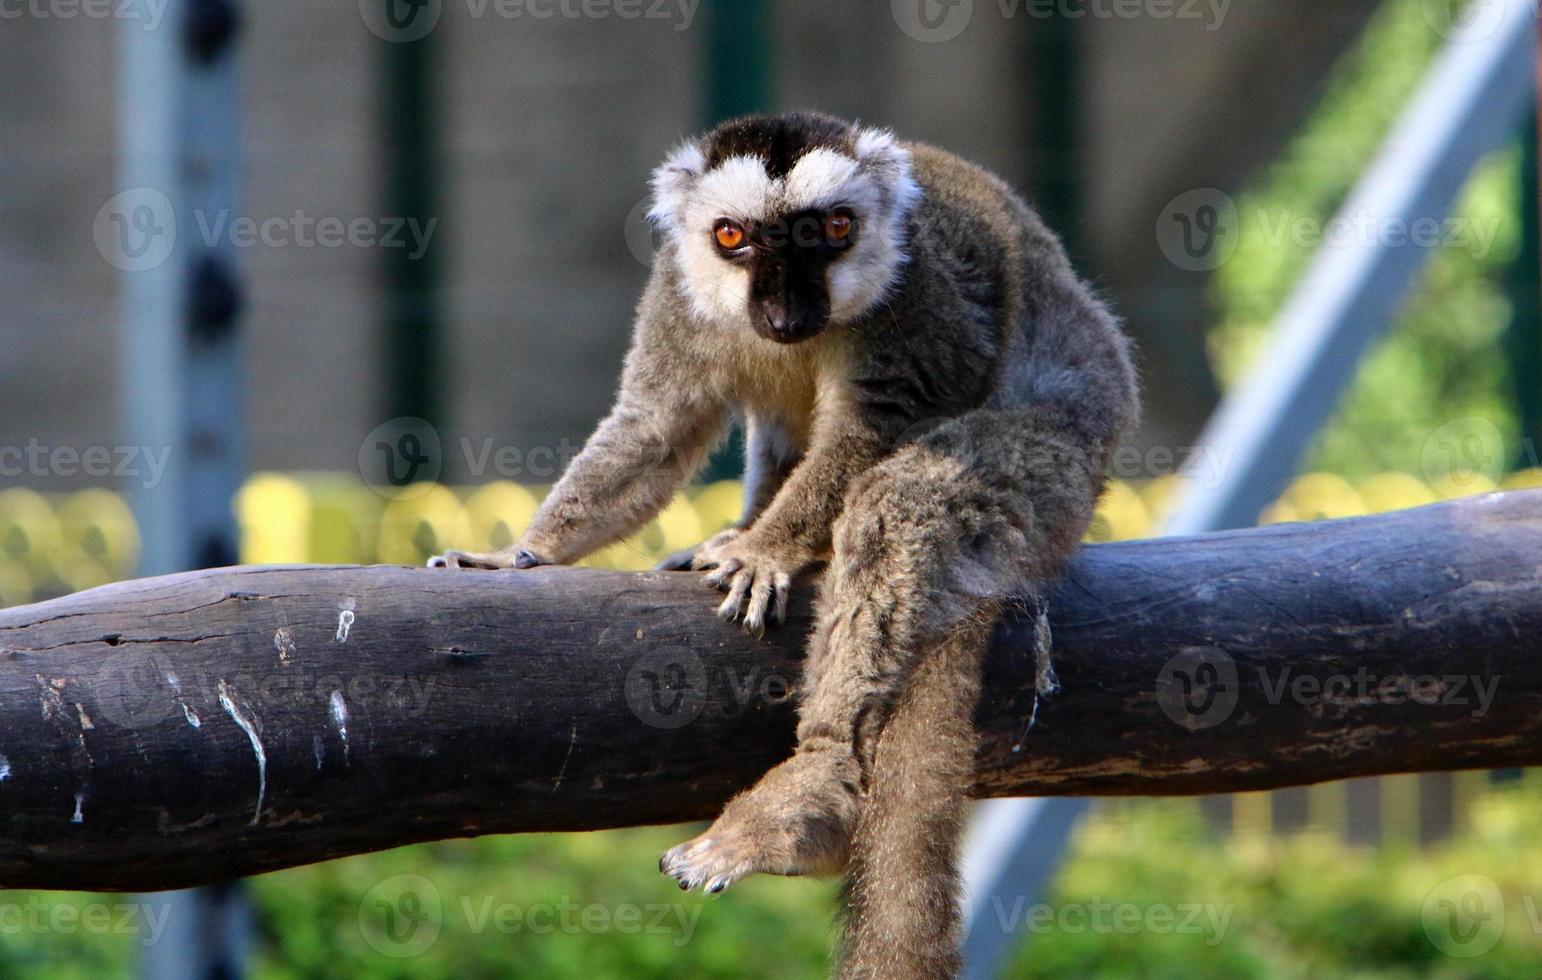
(876, 184)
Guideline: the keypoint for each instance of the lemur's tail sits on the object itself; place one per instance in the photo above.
(902, 882)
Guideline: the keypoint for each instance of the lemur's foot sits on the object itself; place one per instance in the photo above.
(797, 820)
(512, 558)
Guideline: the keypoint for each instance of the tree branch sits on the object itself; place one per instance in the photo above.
(188, 729)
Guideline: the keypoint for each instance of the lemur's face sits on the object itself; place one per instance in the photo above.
(786, 225)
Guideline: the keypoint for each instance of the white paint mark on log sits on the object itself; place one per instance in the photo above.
(572, 743)
(5, 768)
(52, 699)
(345, 618)
(86, 724)
(247, 725)
(80, 814)
(320, 749)
(340, 719)
(191, 716)
(283, 642)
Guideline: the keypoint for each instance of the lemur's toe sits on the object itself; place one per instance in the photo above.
(705, 863)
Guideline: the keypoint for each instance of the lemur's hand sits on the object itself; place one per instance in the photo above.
(515, 557)
(685, 561)
(757, 574)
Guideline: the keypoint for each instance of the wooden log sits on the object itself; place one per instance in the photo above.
(189, 729)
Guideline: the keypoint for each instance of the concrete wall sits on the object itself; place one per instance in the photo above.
(550, 128)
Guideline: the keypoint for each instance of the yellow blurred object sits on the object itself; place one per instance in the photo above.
(1160, 496)
(345, 517)
(84, 574)
(1121, 515)
(97, 526)
(1387, 492)
(718, 505)
(499, 514)
(1322, 496)
(1524, 480)
(1463, 485)
(679, 526)
(29, 532)
(50, 544)
(274, 514)
(420, 523)
(16, 586)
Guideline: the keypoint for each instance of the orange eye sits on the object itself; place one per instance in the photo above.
(838, 227)
(729, 235)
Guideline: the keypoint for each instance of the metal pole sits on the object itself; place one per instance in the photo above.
(414, 352)
(1466, 107)
(180, 378)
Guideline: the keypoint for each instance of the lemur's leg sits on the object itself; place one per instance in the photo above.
(930, 543)
(902, 886)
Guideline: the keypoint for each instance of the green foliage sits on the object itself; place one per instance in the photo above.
(583, 906)
(1149, 891)
(1441, 360)
(1304, 907)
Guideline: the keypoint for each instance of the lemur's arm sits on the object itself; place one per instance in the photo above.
(795, 529)
(654, 439)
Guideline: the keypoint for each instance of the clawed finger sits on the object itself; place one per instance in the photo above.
(718, 579)
(760, 601)
(731, 605)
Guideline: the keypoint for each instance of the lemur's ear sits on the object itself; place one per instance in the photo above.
(881, 154)
(672, 184)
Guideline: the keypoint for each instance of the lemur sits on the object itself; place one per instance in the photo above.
(930, 395)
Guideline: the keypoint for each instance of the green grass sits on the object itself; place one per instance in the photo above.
(1148, 891)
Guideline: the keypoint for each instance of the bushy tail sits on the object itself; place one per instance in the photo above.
(902, 884)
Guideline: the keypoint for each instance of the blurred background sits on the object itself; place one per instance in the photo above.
(245, 246)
